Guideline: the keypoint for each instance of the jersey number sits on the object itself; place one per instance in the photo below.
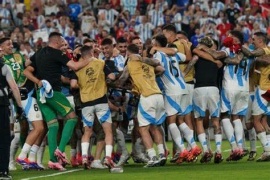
(15, 66)
(35, 107)
(173, 69)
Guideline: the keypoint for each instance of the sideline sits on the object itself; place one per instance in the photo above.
(54, 174)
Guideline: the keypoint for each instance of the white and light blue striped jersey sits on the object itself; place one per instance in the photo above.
(236, 77)
(119, 61)
(145, 31)
(109, 15)
(172, 79)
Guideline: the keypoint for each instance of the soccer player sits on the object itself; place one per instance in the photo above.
(122, 46)
(260, 105)
(183, 46)
(176, 96)
(47, 65)
(91, 80)
(235, 91)
(151, 110)
(206, 97)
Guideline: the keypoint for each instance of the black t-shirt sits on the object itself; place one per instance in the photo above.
(231, 14)
(206, 73)
(48, 64)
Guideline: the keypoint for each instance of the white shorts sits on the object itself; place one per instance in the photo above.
(177, 104)
(190, 88)
(151, 110)
(71, 101)
(102, 112)
(206, 98)
(260, 105)
(31, 109)
(234, 102)
(248, 117)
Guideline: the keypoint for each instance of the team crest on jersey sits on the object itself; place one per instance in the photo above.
(90, 73)
(17, 57)
(146, 71)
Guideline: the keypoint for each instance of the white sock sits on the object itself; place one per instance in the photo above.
(14, 146)
(176, 136)
(187, 134)
(160, 148)
(33, 152)
(85, 147)
(229, 132)
(163, 135)
(208, 141)
(218, 141)
(41, 151)
(252, 139)
(151, 153)
(121, 141)
(108, 150)
(203, 142)
(262, 138)
(25, 150)
(238, 131)
(73, 152)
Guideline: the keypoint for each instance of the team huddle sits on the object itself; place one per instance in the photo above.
(88, 95)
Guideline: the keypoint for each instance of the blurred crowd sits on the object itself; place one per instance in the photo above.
(29, 22)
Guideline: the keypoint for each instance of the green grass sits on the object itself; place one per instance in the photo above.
(242, 169)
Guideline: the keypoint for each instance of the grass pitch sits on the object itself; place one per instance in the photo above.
(242, 169)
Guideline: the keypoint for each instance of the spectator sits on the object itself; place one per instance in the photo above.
(50, 7)
(145, 29)
(232, 13)
(87, 20)
(129, 5)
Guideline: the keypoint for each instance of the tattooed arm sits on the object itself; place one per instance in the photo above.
(265, 59)
(190, 65)
(234, 60)
(215, 54)
(151, 62)
(123, 78)
(258, 52)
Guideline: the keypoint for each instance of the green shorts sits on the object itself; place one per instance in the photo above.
(58, 104)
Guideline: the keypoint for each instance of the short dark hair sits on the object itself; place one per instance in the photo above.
(78, 46)
(135, 37)
(106, 41)
(121, 40)
(87, 40)
(261, 35)
(170, 27)
(2, 40)
(183, 33)
(238, 35)
(133, 48)
(47, 20)
(161, 39)
(55, 34)
(85, 50)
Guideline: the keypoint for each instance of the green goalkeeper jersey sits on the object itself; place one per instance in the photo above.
(16, 63)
